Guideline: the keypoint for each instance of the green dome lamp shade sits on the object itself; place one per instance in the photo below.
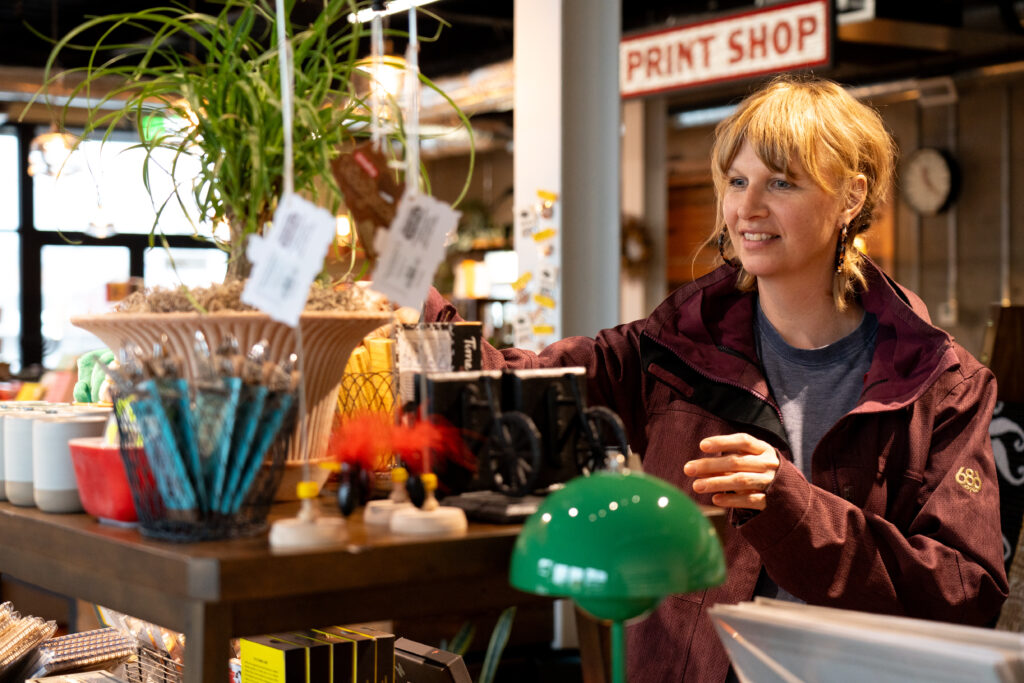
(617, 542)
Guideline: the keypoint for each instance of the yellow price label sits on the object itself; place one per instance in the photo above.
(543, 329)
(520, 283)
(545, 234)
(545, 301)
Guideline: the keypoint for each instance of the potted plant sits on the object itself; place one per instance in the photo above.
(208, 86)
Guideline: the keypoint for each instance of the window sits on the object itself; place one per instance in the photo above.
(10, 304)
(86, 228)
(74, 282)
(190, 267)
(8, 183)
(101, 191)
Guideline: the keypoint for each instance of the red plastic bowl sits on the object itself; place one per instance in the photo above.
(102, 481)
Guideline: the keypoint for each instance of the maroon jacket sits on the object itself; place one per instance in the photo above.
(893, 522)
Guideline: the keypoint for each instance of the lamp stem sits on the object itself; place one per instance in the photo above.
(618, 652)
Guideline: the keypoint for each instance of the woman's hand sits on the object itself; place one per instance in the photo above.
(738, 474)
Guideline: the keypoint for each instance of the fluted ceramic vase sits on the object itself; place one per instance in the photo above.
(328, 338)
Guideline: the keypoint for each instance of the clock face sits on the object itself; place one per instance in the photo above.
(929, 180)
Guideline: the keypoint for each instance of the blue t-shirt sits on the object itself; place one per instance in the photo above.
(813, 388)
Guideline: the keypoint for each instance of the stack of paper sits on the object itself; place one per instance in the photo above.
(771, 640)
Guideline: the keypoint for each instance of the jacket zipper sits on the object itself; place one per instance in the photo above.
(748, 390)
(705, 375)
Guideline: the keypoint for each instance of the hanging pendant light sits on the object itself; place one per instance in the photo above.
(51, 154)
(383, 8)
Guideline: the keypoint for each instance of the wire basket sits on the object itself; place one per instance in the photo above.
(153, 666)
(367, 392)
(161, 492)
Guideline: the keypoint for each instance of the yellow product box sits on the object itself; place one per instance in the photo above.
(319, 655)
(364, 655)
(384, 647)
(382, 353)
(343, 655)
(268, 659)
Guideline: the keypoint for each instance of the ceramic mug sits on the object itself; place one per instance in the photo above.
(55, 488)
(5, 409)
(18, 456)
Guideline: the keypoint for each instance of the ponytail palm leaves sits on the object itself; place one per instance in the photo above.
(208, 86)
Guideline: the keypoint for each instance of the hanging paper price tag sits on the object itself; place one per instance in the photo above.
(287, 259)
(411, 250)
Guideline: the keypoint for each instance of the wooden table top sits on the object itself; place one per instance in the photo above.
(75, 555)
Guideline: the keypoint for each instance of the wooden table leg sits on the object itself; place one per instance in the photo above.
(207, 638)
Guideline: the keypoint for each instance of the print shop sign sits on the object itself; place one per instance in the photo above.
(783, 37)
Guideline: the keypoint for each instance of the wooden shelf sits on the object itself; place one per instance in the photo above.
(216, 590)
(213, 591)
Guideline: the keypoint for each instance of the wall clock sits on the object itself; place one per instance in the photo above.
(930, 180)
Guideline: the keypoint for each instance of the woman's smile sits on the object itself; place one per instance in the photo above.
(781, 223)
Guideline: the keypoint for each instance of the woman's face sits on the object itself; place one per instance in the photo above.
(783, 227)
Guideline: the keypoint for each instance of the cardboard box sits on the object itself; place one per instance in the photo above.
(385, 650)
(364, 652)
(342, 651)
(318, 656)
(268, 659)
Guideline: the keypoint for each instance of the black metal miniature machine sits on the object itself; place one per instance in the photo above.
(527, 429)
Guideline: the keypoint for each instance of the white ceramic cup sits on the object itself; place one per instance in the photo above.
(5, 408)
(54, 486)
(18, 456)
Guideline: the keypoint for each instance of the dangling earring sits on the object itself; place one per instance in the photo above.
(841, 249)
(721, 249)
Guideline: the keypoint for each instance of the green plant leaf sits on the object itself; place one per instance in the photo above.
(462, 639)
(496, 645)
(228, 78)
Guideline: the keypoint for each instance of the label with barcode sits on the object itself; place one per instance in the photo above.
(412, 248)
(287, 258)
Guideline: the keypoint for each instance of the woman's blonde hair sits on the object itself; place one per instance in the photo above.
(833, 135)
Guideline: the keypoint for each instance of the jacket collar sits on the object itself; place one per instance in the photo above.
(708, 324)
(910, 352)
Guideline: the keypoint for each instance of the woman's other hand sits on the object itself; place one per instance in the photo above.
(739, 472)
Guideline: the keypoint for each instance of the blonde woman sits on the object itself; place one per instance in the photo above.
(801, 388)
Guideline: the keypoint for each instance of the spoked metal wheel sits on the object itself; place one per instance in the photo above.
(601, 431)
(513, 454)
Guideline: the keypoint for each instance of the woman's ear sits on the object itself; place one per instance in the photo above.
(856, 194)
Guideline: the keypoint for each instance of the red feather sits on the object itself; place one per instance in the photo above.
(371, 439)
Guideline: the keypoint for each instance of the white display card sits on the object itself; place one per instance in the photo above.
(411, 250)
(286, 260)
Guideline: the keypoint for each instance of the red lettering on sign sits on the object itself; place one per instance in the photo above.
(653, 62)
(706, 42)
(753, 44)
(735, 48)
(633, 61)
(759, 41)
(806, 26)
(782, 38)
(795, 35)
(684, 53)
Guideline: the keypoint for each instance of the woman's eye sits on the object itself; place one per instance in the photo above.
(737, 182)
(781, 184)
